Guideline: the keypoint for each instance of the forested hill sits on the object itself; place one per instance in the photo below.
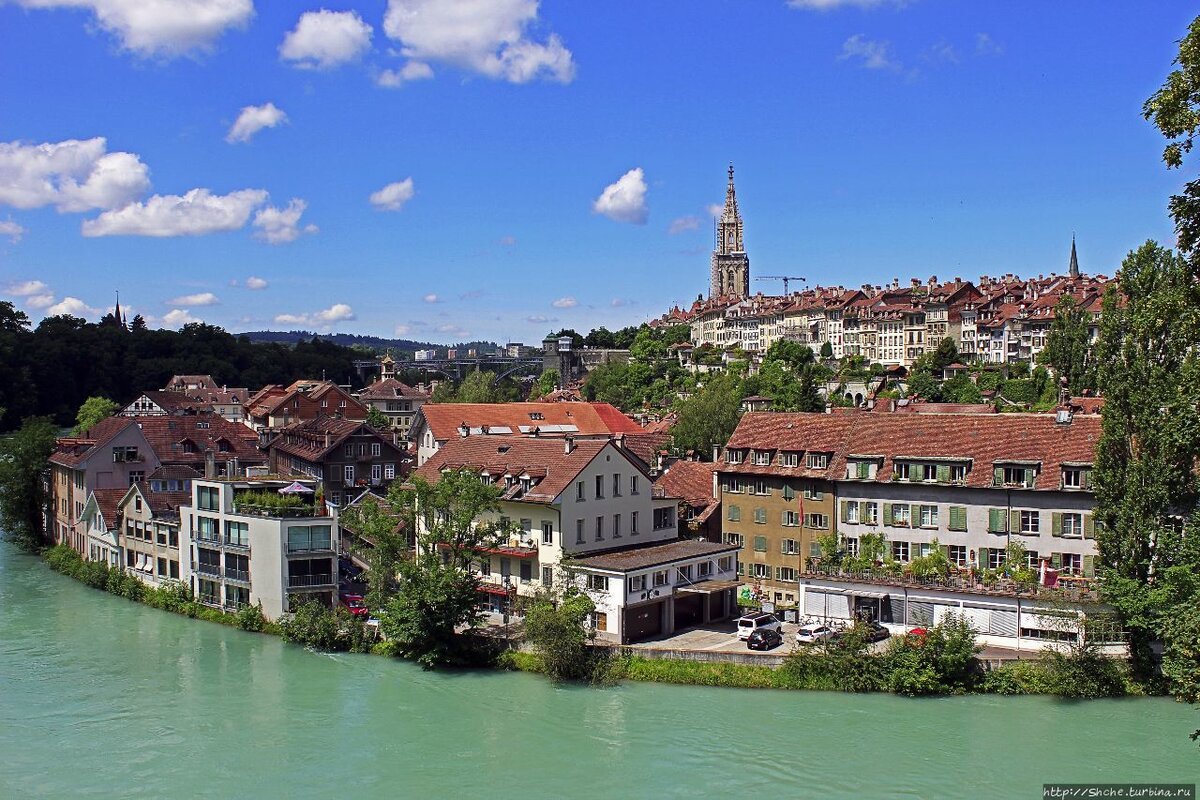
(354, 340)
(53, 368)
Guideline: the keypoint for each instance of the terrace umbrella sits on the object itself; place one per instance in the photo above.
(296, 488)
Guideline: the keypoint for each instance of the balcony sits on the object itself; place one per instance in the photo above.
(212, 570)
(238, 575)
(237, 546)
(984, 582)
(274, 512)
(308, 581)
(203, 538)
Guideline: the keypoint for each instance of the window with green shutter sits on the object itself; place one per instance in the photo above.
(735, 513)
(958, 518)
(1089, 566)
(1056, 526)
(996, 520)
(1014, 521)
(887, 513)
(1089, 526)
(788, 492)
(863, 470)
(760, 516)
(1029, 476)
(998, 476)
(845, 511)
(943, 473)
(760, 544)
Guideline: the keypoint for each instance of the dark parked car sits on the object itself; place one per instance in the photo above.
(764, 639)
(876, 632)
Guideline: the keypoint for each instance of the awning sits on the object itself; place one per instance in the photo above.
(875, 595)
(141, 562)
(491, 589)
(708, 587)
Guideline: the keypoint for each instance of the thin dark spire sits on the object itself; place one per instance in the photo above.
(1073, 269)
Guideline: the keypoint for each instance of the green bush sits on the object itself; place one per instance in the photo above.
(313, 625)
(1014, 678)
(1082, 673)
(940, 662)
(250, 618)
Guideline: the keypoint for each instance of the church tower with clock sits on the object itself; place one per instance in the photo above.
(730, 275)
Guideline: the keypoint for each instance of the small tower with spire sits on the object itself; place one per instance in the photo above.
(730, 268)
(1073, 268)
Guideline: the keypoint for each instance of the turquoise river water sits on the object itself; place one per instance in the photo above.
(101, 697)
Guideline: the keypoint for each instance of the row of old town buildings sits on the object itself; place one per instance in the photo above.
(239, 494)
(170, 490)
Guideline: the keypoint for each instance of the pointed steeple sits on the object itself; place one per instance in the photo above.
(1073, 269)
(730, 267)
(730, 213)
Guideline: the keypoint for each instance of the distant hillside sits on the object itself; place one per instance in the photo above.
(354, 340)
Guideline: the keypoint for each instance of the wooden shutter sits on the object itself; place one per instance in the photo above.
(1014, 521)
(1029, 474)
(1089, 566)
(760, 544)
(863, 519)
(845, 511)
(1056, 524)
(995, 516)
(982, 557)
(943, 473)
(887, 513)
(998, 476)
(1085, 479)
(788, 492)
(1089, 526)
(1056, 560)
(958, 518)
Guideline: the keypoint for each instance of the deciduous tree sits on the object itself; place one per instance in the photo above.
(23, 460)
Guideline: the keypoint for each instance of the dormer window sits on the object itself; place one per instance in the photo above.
(1020, 477)
(789, 459)
(817, 460)
(1076, 478)
(223, 446)
(735, 456)
(762, 458)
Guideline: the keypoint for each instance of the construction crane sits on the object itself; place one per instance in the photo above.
(784, 278)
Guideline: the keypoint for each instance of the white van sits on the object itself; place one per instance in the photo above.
(752, 622)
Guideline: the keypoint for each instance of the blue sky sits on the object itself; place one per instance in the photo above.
(437, 169)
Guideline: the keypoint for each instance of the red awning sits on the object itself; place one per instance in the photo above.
(500, 590)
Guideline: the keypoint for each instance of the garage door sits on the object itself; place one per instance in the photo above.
(643, 622)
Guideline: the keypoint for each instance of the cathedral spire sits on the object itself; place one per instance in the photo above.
(730, 273)
(1073, 269)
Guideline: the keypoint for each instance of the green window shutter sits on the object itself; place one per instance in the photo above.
(1089, 566)
(998, 476)
(845, 511)
(1085, 478)
(943, 473)
(958, 518)
(1056, 560)
(788, 492)
(817, 494)
(982, 557)
(862, 512)
(1056, 524)
(864, 469)
(778, 573)
(887, 513)
(1014, 521)
(735, 513)
(1029, 475)
(1089, 526)
(994, 519)
(760, 544)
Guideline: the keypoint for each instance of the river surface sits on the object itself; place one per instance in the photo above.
(101, 697)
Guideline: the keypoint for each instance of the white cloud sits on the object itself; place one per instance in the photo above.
(412, 71)
(201, 299)
(625, 200)
(253, 119)
(832, 5)
(26, 289)
(943, 51)
(40, 300)
(75, 307)
(508, 241)
(682, 224)
(401, 330)
(393, 196)
(488, 37)
(715, 210)
(327, 318)
(178, 317)
(325, 39)
(255, 283)
(431, 298)
(161, 27)
(456, 331)
(985, 45)
(873, 54)
(282, 225)
(621, 302)
(12, 230)
(193, 214)
(565, 302)
(538, 319)
(73, 175)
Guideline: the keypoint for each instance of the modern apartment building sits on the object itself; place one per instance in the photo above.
(239, 545)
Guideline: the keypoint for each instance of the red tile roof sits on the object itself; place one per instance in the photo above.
(986, 440)
(589, 419)
(516, 455)
(390, 389)
(107, 501)
(168, 437)
(691, 480)
(74, 450)
(314, 439)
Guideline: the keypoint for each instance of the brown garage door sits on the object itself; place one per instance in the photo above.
(643, 622)
(689, 610)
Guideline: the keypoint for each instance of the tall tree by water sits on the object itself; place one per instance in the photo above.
(23, 460)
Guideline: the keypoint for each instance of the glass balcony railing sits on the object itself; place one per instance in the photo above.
(305, 581)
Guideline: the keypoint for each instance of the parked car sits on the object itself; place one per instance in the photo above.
(355, 603)
(814, 632)
(751, 622)
(764, 639)
(876, 632)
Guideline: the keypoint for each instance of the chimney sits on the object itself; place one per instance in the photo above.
(568, 445)
(716, 452)
(464, 430)
(210, 465)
